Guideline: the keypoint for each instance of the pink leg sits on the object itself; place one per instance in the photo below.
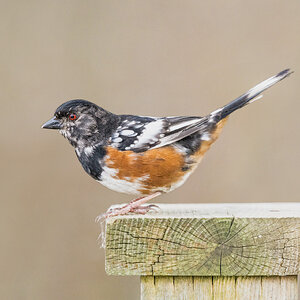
(134, 206)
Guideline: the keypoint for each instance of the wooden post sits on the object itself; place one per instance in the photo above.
(209, 251)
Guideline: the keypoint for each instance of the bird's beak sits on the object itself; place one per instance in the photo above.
(52, 124)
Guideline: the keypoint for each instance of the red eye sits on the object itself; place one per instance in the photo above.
(72, 117)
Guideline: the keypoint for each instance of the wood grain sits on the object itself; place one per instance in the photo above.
(219, 288)
(206, 240)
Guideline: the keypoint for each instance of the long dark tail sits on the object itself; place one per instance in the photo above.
(250, 96)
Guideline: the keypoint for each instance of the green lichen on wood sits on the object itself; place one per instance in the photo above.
(197, 246)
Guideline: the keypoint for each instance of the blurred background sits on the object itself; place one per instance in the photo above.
(139, 57)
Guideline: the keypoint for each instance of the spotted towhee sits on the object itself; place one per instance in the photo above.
(143, 156)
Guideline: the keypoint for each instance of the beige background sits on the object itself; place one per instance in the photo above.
(141, 57)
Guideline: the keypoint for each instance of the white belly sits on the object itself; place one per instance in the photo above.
(110, 180)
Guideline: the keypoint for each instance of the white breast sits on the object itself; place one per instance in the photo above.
(110, 180)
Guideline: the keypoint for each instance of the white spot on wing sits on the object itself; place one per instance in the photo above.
(128, 133)
(151, 131)
(117, 140)
(138, 126)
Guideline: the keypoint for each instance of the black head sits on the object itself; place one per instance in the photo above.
(83, 123)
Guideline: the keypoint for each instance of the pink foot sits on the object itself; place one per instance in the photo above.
(144, 209)
(135, 206)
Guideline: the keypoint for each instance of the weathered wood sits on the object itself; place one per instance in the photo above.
(224, 288)
(289, 285)
(204, 287)
(219, 288)
(248, 288)
(184, 287)
(206, 240)
(164, 288)
(147, 287)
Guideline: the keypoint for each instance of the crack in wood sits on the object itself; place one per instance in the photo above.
(202, 246)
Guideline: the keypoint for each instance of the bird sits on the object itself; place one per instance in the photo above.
(143, 156)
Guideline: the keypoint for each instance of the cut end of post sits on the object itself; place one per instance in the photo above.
(206, 240)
